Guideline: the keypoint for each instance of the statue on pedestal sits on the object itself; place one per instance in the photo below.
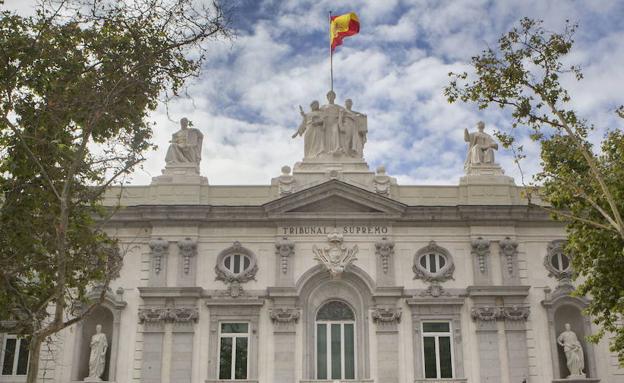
(186, 145)
(332, 131)
(97, 359)
(573, 352)
(481, 146)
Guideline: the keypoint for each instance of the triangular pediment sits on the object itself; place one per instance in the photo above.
(334, 198)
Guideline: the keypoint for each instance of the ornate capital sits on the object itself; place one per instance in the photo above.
(158, 249)
(284, 315)
(493, 313)
(485, 313)
(515, 313)
(166, 314)
(386, 315)
(481, 249)
(336, 257)
(284, 249)
(384, 249)
(188, 249)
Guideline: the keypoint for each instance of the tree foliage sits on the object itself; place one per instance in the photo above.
(581, 184)
(77, 82)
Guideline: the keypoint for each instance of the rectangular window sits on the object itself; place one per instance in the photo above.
(335, 350)
(437, 350)
(233, 351)
(15, 356)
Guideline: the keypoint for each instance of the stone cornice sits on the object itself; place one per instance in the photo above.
(256, 215)
(498, 291)
(170, 292)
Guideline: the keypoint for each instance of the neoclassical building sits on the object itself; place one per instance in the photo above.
(332, 272)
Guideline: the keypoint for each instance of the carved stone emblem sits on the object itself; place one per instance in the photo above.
(188, 249)
(442, 274)
(386, 315)
(435, 290)
(158, 249)
(226, 268)
(385, 250)
(336, 257)
(509, 249)
(381, 182)
(284, 315)
(286, 182)
(284, 249)
(481, 250)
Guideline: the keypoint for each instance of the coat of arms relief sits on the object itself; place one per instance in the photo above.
(335, 257)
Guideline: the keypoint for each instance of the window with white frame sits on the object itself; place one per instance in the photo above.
(437, 350)
(335, 341)
(14, 356)
(233, 351)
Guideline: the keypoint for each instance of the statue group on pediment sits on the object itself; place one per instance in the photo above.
(332, 130)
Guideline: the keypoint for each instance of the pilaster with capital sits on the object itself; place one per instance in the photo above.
(159, 250)
(384, 252)
(187, 262)
(284, 253)
(480, 250)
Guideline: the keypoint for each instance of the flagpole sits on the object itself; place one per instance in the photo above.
(331, 58)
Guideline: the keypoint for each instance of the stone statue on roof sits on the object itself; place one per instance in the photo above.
(186, 145)
(331, 131)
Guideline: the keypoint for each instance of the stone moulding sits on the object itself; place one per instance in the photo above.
(225, 275)
(385, 250)
(284, 315)
(188, 249)
(166, 314)
(336, 257)
(284, 249)
(158, 249)
(445, 273)
(481, 249)
(494, 313)
(386, 315)
(509, 249)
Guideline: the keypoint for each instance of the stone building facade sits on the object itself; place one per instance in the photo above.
(333, 272)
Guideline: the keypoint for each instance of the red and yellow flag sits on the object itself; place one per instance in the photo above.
(341, 27)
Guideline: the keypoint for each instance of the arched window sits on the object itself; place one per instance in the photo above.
(335, 341)
(433, 263)
(236, 264)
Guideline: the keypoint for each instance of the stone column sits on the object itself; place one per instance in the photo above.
(515, 318)
(284, 336)
(487, 336)
(387, 320)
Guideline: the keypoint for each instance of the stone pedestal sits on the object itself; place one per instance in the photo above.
(183, 173)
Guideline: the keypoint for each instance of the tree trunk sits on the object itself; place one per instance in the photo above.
(33, 363)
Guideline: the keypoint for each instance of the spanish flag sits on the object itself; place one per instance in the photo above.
(341, 27)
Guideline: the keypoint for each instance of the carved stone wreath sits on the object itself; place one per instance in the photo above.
(554, 249)
(246, 274)
(443, 274)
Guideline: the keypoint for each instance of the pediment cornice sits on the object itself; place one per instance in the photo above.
(334, 198)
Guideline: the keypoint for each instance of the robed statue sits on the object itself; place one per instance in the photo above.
(332, 131)
(186, 145)
(481, 146)
(97, 359)
(573, 352)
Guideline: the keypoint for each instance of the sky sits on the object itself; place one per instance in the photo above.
(247, 97)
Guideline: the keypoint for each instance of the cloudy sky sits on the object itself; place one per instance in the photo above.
(246, 100)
